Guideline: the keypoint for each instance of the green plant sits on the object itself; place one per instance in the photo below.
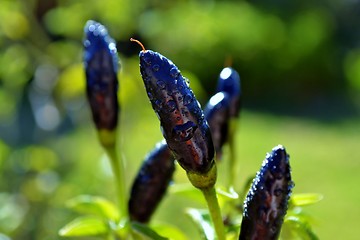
(189, 138)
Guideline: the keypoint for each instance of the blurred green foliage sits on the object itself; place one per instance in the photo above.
(291, 55)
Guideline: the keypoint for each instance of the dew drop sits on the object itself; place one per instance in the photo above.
(174, 72)
(161, 84)
(187, 99)
(147, 60)
(187, 81)
(172, 105)
(158, 104)
(87, 43)
(278, 192)
(185, 112)
(151, 97)
(184, 132)
(147, 78)
(273, 229)
(155, 68)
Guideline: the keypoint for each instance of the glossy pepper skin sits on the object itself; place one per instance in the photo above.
(229, 82)
(151, 183)
(182, 121)
(217, 114)
(101, 67)
(267, 201)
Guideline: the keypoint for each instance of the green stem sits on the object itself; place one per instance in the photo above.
(108, 141)
(118, 170)
(214, 209)
(232, 157)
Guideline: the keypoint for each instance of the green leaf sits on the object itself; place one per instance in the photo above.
(145, 232)
(304, 199)
(85, 226)
(301, 228)
(226, 196)
(203, 221)
(188, 191)
(230, 194)
(94, 205)
(166, 229)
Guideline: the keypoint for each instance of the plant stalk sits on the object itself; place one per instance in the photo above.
(232, 158)
(118, 170)
(214, 209)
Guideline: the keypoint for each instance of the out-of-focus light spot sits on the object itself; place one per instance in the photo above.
(14, 24)
(14, 66)
(12, 211)
(47, 117)
(71, 82)
(40, 159)
(47, 182)
(45, 77)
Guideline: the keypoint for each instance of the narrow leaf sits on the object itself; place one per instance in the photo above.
(203, 222)
(84, 226)
(231, 194)
(303, 229)
(94, 205)
(146, 232)
(304, 199)
(166, 229)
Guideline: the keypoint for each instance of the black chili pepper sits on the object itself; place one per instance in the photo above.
(267, 201)
(217, 114)
(101, 67)
(229, 82)
(182, 121)
(151, 183)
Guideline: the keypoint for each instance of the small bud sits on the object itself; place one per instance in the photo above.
(267, 201)
(181, 118)
(217, 114)
(151, 183)
(229, 82)
(101, 66)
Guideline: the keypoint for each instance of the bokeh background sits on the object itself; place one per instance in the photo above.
(299, 63)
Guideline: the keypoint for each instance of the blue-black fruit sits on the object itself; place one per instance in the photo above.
(229, 82)
(267, 201)
(182, 121)
(101, 67)
(217, 114)
(151, 183)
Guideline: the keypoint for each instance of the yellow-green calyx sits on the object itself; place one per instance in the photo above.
(203, 180)
(107, 137)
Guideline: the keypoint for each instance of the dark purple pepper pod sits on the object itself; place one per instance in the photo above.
(182, 121)
(229, 82)
(217, 114)
(267, 201)
(151, 183)
(101, 67)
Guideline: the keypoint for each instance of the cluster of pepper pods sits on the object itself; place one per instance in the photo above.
(193, 137)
